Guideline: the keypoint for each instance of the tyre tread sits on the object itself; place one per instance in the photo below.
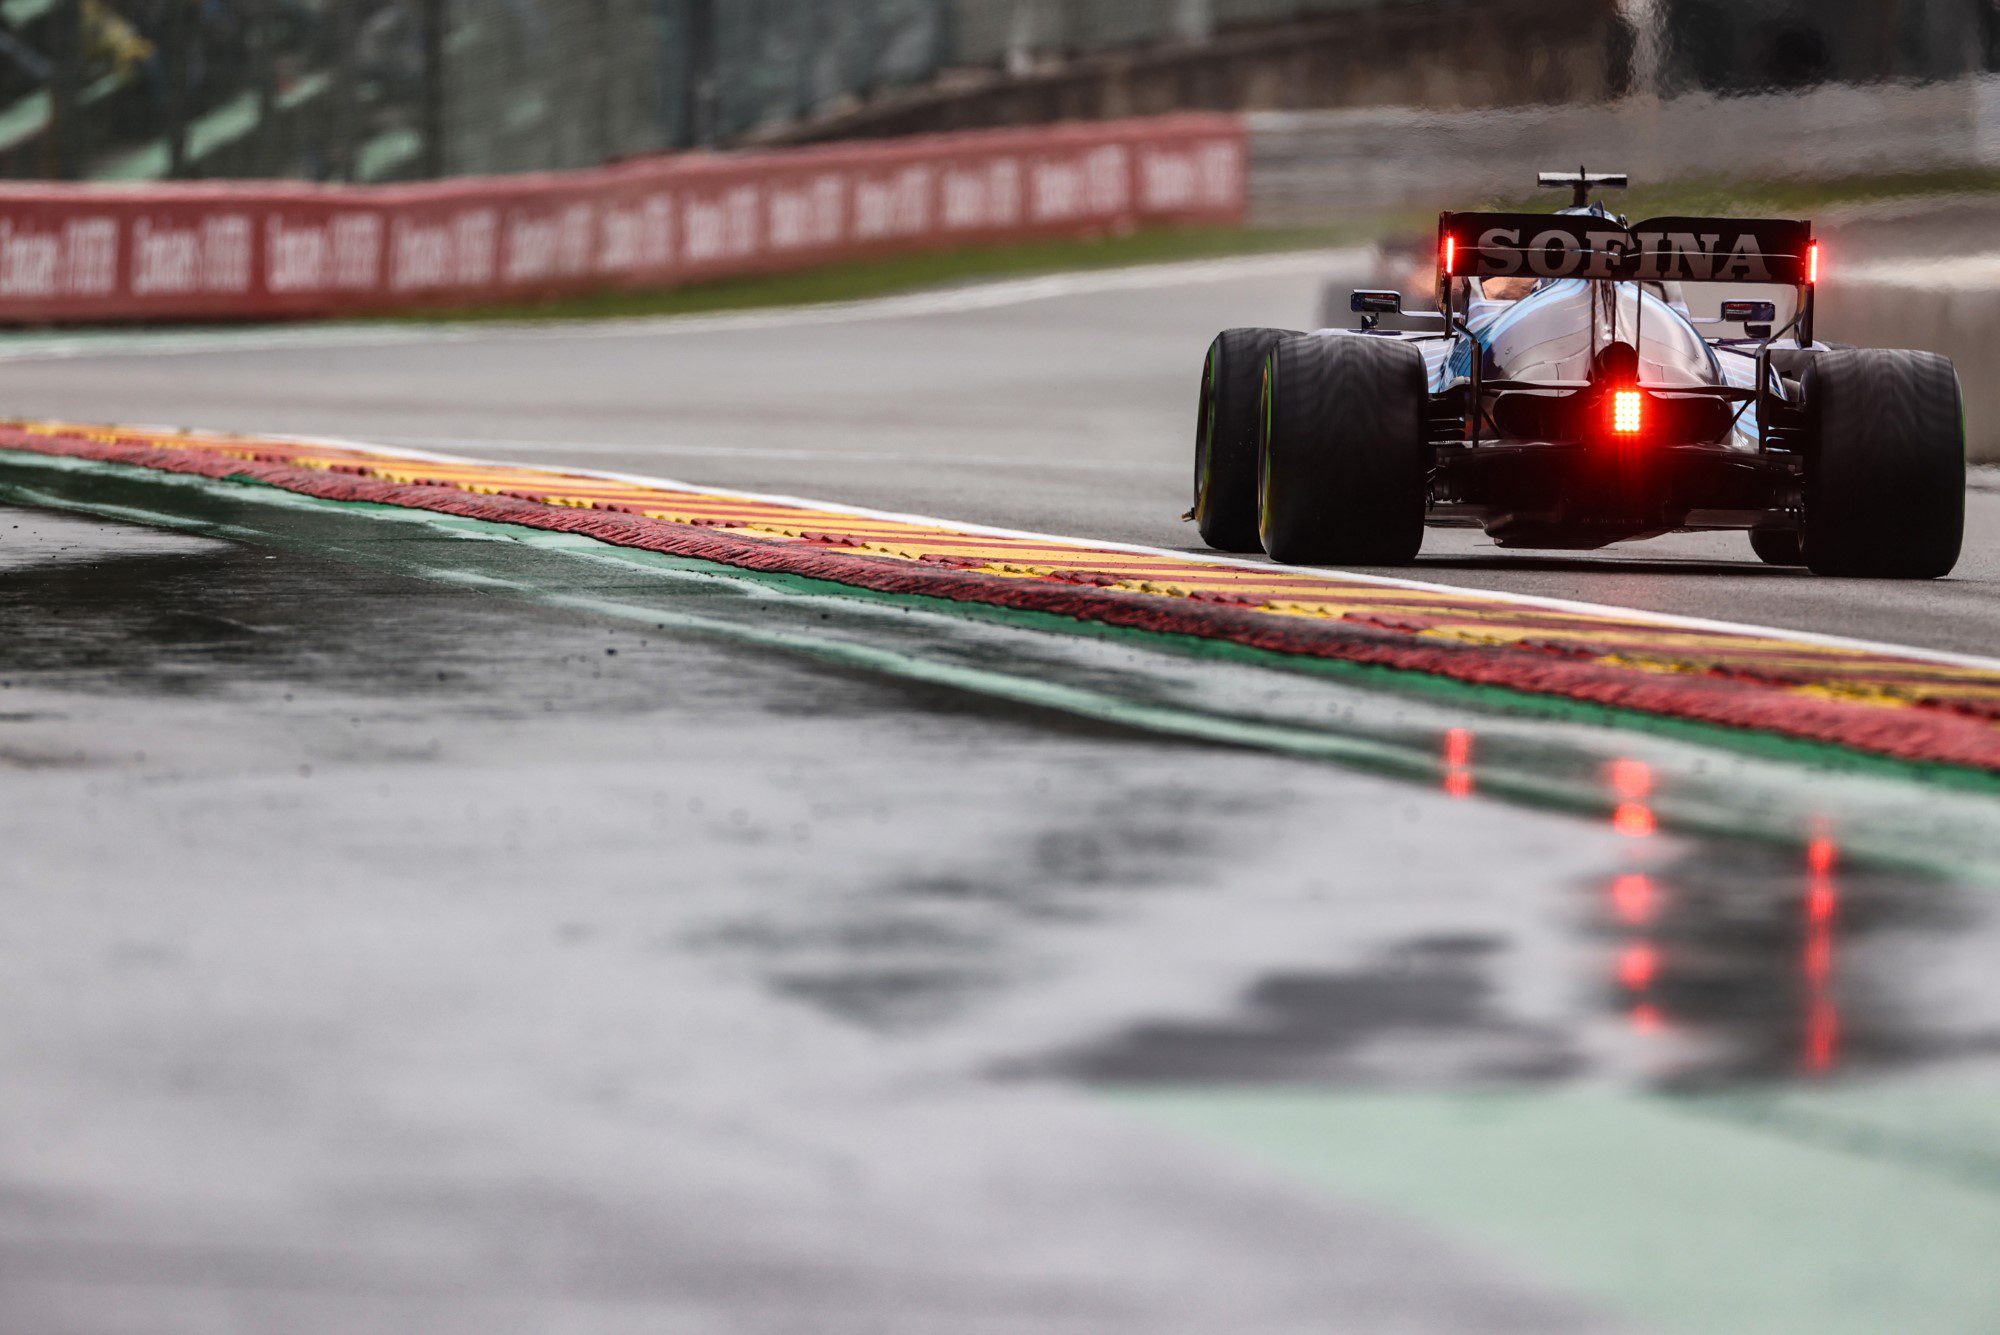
(1345, 458)
(1885, 475)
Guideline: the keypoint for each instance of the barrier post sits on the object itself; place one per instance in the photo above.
(699, 17)
(433, 23)
(346, 104)
(803, 96)
(173, 87)
(605, 78)
(263, 44)
(65, 141)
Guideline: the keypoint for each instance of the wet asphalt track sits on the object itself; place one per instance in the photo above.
(386, 955)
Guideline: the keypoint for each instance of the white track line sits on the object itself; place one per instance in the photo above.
(1939, 656)
(949, 301)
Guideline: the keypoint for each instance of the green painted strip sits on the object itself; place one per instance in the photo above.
(1697, 1214)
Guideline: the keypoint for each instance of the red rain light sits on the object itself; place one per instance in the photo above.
(1450, 254)
(1627, 412)
(1812, 263)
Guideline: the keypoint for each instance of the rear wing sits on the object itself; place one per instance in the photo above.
(1672, 249)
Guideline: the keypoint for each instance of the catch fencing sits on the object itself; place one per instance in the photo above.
(378, 91)
(224, 250)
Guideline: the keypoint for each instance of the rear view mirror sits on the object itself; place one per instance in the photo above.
(1372, 301)
(1747, 312)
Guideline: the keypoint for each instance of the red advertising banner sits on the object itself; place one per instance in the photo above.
(277, 250)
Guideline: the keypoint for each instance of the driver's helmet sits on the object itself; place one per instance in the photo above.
(1506, 289)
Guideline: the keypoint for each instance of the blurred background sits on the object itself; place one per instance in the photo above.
(386, 90)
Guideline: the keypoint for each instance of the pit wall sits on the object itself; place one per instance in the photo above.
(284, 250)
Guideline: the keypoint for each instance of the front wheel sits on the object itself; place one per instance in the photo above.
(1885, 464)
(1345, 462)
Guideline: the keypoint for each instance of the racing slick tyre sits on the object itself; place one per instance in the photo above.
(1778, 547)
(1345, 461)
(1885, 464)
(1225, 443)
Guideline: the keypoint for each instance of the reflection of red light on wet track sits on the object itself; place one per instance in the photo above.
(1458, 762)
(1631, 780)
(1822, 1035)
(1634, 820)
(1458, 748)
(1634, 896)
(1638, 966)
(1822, 1025)
(1632, 783)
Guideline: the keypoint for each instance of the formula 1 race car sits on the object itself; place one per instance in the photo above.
(1570, 399)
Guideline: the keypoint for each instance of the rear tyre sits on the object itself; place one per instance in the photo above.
(1778, 547)
(1225, 445)
(1345, 460)
(1885, 465)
